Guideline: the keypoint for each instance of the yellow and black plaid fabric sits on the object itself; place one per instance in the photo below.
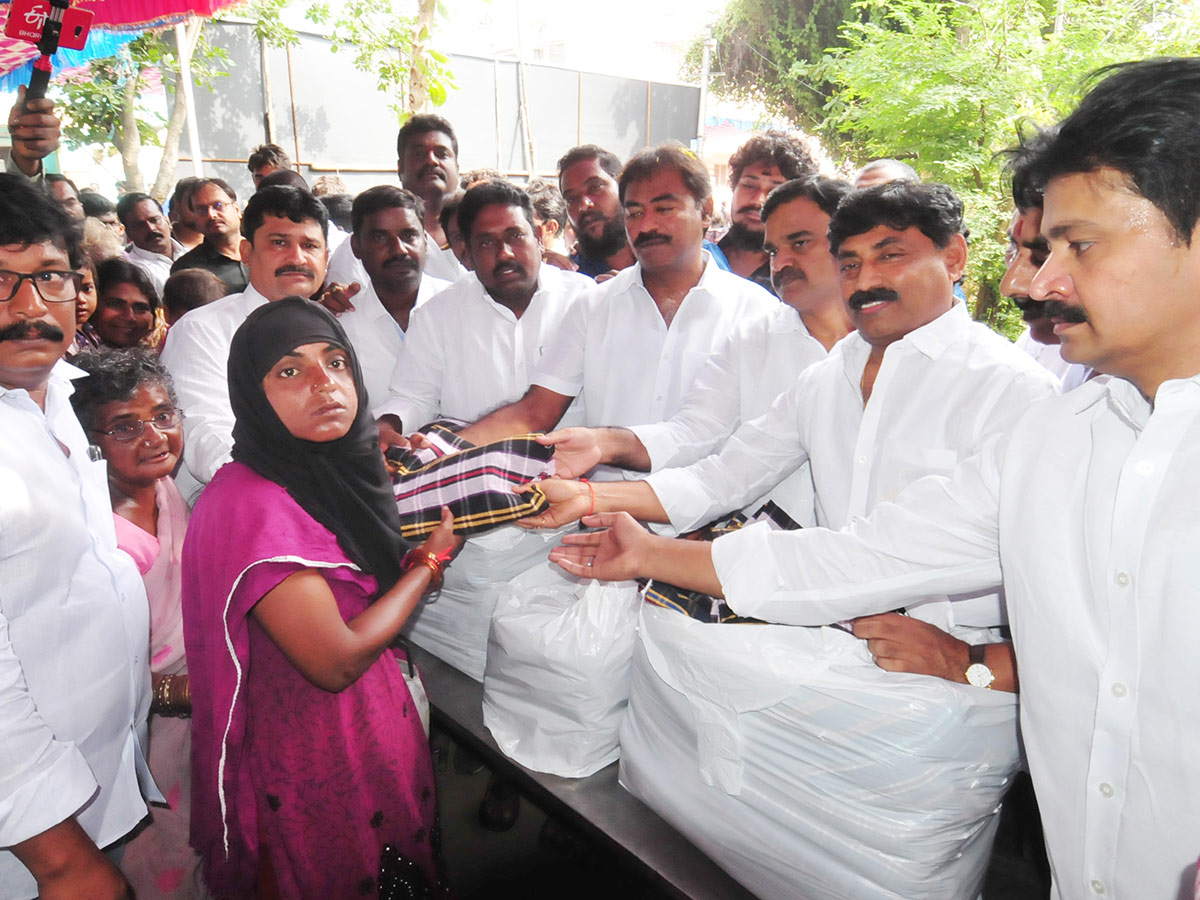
(476, 482)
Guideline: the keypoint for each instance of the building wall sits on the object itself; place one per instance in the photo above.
(330, 118)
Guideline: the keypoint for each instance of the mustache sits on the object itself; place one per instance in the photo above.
(23, 330)
(297, 270)
(432, 170)
(783, 276)
(859, 299)
(406, 262)
(647, 237)
(1056, 309)
(501, 268)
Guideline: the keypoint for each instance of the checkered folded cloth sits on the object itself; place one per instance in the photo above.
(704, 607)
(475, 481)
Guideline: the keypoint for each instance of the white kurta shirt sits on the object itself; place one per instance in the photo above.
(156, 265)
(762, 358)
(197, 353)
(346, 268)
(1069, 375)
(74, 637)
(377, 337)
(465, 354)
(940, 393)
(617, 353)
(1087, 505)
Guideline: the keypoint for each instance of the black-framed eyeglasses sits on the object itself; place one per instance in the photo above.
(52, 286)
(131, 431)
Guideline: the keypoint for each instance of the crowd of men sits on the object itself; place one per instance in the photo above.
(816, 366)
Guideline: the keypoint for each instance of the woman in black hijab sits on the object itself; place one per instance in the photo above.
(296, 582)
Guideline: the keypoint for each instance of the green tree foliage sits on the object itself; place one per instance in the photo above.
(761, 49)
(947, 85)
(942, 84)
(382, 38)
(104, 106)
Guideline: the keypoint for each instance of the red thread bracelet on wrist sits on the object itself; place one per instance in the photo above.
(592, 491)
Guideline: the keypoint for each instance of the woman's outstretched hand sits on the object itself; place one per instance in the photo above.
(617, 553)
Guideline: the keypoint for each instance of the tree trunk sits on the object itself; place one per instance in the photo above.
(165, 180)
(127, 140)
(418, 92)
(986, 300)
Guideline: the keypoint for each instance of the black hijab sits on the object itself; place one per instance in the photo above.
(343, 483)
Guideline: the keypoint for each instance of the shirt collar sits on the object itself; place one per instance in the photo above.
(934, 337)
(1127, 402)
(707, 275)
(787, 321)
(59, 379)
(252, 298)
(931, 339)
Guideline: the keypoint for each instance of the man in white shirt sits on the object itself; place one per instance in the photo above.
(631, 347)
(427, 163)
(152, 249)
(762, 358)
(916, 388)
(1085, 506)
(284, 247)
(390, 242)
(470, 349)
(1027, 250)
(74, 673)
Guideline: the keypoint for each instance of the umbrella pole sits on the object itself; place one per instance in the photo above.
(185, 40)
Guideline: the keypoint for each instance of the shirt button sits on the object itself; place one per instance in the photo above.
(1122, 579)
(1119, 690)
(1106, 789)
(1145, 467)
(1097, 885)
(862, 460)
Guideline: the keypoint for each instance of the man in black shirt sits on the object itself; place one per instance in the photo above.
(215, 205)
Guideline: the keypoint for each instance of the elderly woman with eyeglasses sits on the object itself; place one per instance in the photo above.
(127, 407)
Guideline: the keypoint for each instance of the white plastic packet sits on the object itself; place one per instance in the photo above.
(557, 678)
(805, 770)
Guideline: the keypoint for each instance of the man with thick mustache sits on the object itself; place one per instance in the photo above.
(917, 387)
(469, 349)
(762, 358)
(760, 165)
(389, 240)
(74, 673)
(427, 163)
(283, 245)
(152, 249)
(633, 345)
(1026, 252)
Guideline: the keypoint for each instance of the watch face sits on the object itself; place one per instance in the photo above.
(980, 675)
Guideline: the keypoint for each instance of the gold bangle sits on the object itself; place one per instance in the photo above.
(417, 556)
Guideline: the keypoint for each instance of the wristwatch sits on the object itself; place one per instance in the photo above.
(978, 673)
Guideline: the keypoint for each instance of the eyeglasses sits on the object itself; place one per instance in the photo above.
(51, 286)
(131, 431)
